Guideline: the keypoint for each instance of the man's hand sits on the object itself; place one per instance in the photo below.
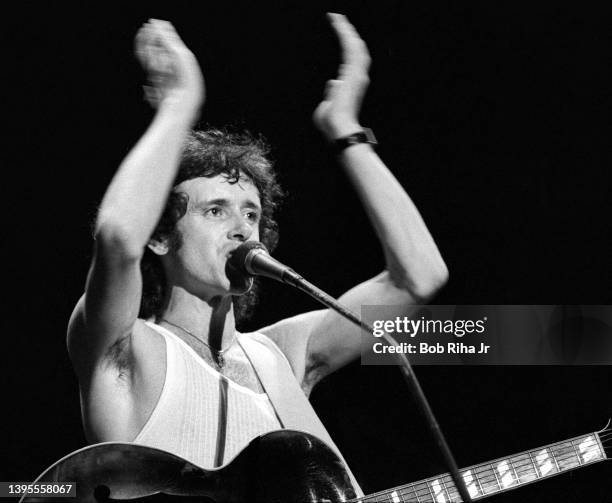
(173, 72)
(338, 114)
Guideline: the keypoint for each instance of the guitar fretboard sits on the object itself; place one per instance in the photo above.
(500, 475)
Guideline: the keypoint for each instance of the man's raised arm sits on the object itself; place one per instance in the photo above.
(135, 199)
(320, 342)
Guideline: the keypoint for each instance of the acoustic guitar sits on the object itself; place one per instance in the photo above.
(291, 467)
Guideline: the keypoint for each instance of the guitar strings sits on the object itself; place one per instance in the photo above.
(488, 484)
(423, 488)
(520, 469)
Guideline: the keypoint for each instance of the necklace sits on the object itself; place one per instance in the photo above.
(217, 353)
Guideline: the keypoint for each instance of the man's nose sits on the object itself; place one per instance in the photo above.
(241, 229)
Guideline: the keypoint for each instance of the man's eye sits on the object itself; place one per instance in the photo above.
(215, 212)
(253, 216)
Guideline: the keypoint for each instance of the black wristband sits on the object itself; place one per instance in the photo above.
(366, 135)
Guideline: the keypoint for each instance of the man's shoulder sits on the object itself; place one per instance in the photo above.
(257, 336)
(294, 328)
(258, 341)
(148, 327)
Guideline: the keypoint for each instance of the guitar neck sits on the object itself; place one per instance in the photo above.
(501, 474)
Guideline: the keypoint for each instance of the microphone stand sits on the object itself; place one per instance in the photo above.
(292, 278)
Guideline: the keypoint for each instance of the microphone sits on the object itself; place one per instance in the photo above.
(253, 259)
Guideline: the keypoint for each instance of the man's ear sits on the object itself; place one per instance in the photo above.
(158, 246)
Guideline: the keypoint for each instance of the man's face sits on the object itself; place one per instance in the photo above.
(220, 216)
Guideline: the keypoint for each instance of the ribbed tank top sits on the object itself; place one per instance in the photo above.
(189, 419)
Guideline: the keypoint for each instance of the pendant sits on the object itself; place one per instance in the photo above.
(220, 360)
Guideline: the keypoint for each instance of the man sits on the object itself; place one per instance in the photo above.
(160, 362)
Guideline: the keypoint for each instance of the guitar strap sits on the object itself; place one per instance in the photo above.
(288, 400)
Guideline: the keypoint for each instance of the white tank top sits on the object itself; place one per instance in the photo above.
(190, 420)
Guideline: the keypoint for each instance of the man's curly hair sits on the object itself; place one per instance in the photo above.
(207, 154)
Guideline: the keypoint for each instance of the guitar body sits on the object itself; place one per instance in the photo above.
(281, 466)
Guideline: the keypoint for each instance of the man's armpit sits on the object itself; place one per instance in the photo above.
(118, 356)
(315, 371)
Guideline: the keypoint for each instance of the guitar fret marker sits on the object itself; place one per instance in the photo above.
(589, 449)
(439, 495)
(469, 483)
(395, 497)
(505, 474)
(544, 464)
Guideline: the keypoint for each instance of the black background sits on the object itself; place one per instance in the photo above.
(495, 118)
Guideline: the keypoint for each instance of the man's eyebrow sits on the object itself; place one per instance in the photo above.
(221, 201)
(249, 203)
